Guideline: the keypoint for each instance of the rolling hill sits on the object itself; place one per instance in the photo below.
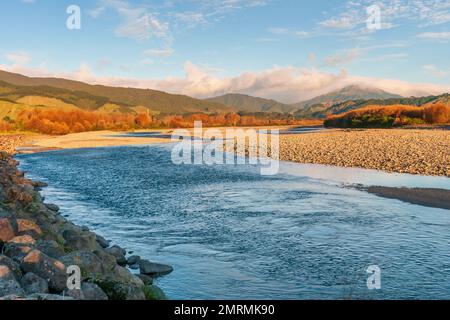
(156, 101)
(251, 104)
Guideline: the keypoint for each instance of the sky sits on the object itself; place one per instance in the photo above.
(288, 50)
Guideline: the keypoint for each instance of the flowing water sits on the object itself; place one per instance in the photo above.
(231, 233)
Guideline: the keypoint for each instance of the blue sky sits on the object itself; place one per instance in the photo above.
(289, 50)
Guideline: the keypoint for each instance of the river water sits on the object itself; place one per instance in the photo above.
(231, 233)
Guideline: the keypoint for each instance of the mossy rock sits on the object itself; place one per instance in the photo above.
(153, 292)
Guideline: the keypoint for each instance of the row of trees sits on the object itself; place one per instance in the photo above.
(60, 122)
(389, 116)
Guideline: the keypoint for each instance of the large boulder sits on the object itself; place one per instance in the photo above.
(154, 269)
(53, 271)
(89, 291)
(108, 261)
(31, 283)
(88, 262)
(132, 260)
(52, 207)
(121, 285)
(153, 292)
(119, 254)
(6, 230)
(17, 251)
(80, 240)
(24, 240)
(12, 265)
(28, 227)
(102, 241)
(50, 248)
(8, 283)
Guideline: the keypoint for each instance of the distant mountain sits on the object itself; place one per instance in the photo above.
(324, 110)
(155, 101)
(353, 92)
(319, 104)
(251, 104)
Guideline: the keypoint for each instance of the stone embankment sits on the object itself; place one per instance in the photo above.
(38, 247)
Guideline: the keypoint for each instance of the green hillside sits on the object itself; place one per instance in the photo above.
(96, 95)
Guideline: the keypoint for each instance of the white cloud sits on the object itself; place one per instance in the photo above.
(353, 14)
(19, 58)
(344, 58)
(438, 36)
(287, 84)
(159, 52)
(137, 22)
(433, 70)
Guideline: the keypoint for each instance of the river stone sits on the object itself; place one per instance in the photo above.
(6, 230)
(50, 248)
(53, 271)
(79, 240)
(88, 262)
(147, 280)
(16, 251)
(119, 254)
(154, 269)
(153, 292)
(28, 227)
(102, 241)
(108, 261)
(25, 240)
(12, 265)
(52, 207)
(133, 260)
(8, 283)
(93, 292)
(31, 283)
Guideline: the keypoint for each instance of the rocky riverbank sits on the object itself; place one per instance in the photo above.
(9, 143)
(38, 246)
(424, 152)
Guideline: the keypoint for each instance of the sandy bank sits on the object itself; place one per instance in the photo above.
(92, 140)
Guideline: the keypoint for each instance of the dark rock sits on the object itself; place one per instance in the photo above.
(50, 248)
(133, 260)
(89, 263)
(52, 207)
(53, 271)
(108, 261)
(12, 265)
(134, 266)
(93, 292)
(8, 283)
(79, 240)
(39, 185)
(154, 269)
(31, 283)
(102, 242)
(147, 280)
(17, 252)
(119, 254)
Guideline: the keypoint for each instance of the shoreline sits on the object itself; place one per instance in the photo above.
(428, 197)
(38, 246)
